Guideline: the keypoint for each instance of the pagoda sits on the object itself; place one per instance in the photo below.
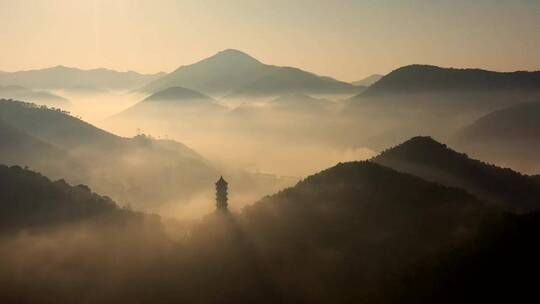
(221, 194)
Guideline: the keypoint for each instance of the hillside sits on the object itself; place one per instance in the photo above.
(30, 200)
(516, 123)
(54, 126)
(300, 103)
(140, 170)
(510, 136)
(19, 148)
(177, 94)
(349, 228)
(35, 96)
(287, 80)
(427, 78)
(425, 157)
(67, 78)
(368, 80)
(232, 72)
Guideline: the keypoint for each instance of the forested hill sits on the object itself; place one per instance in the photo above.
(431, 160)
(30, 200)
(428, 78)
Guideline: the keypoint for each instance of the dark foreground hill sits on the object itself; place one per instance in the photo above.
(363, 232)
(431, 160)
(30, 200)
(352, 233)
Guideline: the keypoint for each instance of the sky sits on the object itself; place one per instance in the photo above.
(345, 39)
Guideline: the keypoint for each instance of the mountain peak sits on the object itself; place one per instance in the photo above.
(177, 93)
(232, 56)
(420, 148)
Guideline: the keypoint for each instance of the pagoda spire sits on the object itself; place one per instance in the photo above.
(221, 194)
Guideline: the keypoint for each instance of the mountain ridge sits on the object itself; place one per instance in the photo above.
(231, 70)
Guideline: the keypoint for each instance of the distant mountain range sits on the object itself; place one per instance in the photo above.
(368, 80)
(61, 77)
(428, 78)
(300, 103)
(424, 99)
(233, 73)
(35, 96)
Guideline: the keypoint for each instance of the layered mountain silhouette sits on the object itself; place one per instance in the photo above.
(19, 148)
(420, 99)
(61, 77)
(36, 96)
(427, 78)
(368, 80)
(510, 136)
(433, 161)
(135, 170)
(516, 123)
(170, 106)
(302, 103)
(234, 73)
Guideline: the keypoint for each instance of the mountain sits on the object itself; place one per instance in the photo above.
(302, 103)
(178, 96)
(515, 123)
(169, 105)
(510, 136)
(433, 161)
(366, 82)
(234, 72)
(40, 97)
(287, 80)
(29, 200)
(61, 77)
(427, 78)
(54, 126)
(423, 99)
(139, 171)
(351, 228)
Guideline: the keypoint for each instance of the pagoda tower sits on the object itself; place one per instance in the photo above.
(221, 194)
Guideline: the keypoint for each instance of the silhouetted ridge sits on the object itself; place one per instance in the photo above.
(431, 160)
(516, 123)
(29, 199)
(177, 93)
(104, 160)
(428, 78)
(61, 77)
(368, 80)
(236, 74)
(233, 57)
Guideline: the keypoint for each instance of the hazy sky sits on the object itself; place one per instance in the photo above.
(346, 39)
